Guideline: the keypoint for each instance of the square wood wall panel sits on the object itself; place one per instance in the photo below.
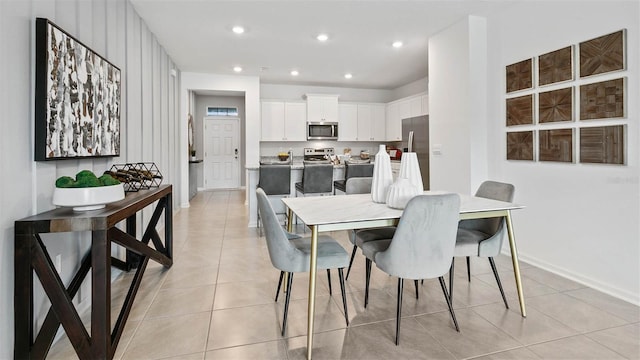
(520, 110)
(556, 105)
(520, 75)
(556, 145)
(602, 145)
(602, 54)
(520, 145)
(602, 100)
(555, 66)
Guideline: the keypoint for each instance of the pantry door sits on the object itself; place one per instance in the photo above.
(221, 153)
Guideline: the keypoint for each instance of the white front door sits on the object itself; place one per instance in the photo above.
(221, 153)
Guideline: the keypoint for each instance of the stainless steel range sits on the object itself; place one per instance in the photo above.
(317, 156)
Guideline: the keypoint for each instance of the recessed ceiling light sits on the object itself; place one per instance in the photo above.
(397, 44)
(237, 68)
(322, 37)
(348, 76)
(238, 29)
(294, 72)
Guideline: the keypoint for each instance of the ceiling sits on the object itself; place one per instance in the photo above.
(281, 36)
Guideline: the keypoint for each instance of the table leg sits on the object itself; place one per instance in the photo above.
(516, 266)
(101, 295)
(312, 288)
(290, 221)
(23, 296)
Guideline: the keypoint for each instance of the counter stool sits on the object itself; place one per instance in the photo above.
(352, 170)
(316, 179)
(275, 181)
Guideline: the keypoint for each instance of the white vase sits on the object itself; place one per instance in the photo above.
(382, 177)
(400, 192)
(410, 169)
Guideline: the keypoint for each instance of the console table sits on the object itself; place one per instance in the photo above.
(31, 258)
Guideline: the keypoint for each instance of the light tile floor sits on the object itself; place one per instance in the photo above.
(217, 302)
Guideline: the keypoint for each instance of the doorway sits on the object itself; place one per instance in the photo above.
(221, 153)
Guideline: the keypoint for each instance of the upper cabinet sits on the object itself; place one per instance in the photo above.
(321, 108)
(283, 121)
(362, 122)
(402, 109)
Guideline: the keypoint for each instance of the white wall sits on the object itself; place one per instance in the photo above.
(457, 116)
(412, 88)
(200, 81)
(114, 30)
(580, 221)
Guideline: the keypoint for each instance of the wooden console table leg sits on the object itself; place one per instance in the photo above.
(168, 226)
(131, 258)
(100, 295)
(23, 296)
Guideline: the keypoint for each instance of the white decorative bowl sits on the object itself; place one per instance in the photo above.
(91, 198)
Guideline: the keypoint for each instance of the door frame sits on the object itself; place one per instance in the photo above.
(204, 147)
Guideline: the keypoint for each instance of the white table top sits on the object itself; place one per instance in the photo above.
(323, 210)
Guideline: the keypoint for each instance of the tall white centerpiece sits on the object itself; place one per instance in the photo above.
(410, 169)
(382, 177)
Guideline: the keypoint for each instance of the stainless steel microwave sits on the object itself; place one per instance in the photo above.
(322, 131)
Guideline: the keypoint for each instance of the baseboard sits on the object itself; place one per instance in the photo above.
(621, 294)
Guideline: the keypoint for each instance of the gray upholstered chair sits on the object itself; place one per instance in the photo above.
(353, 170)
(421, 248)
(275, 181)
(293, 255)
(483, 237)
(362, 185)
(316, 179)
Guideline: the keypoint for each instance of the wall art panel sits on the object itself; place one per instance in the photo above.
(556, 145)
(602, 100)
(520, 145)
(520, 75)
(77, 104)
(555, 66)
(520, 110)
(602, 144)
(603, 54)
(556, 105)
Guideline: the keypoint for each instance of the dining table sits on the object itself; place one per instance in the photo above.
(358, 211)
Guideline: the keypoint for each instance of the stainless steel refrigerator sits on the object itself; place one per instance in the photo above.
(415, 138)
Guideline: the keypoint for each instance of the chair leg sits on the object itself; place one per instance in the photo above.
(258, 223)
(453, 262)
(344, 296)
(446, 297)
(468, 269)
(495, 273)
(366, 284)
(353, 255)
(399, 310)
(279, 284)
(329, 281)
(286, 302)
(415, 282)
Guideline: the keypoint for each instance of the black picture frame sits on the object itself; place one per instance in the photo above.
(77, 98)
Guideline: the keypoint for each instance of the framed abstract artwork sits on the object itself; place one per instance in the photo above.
(603, 54)
(520, 110)
(77, 98)
(602, 100)
(556, 145)
(556, 66)
(519, 75)
(602, 145)
(520, 145)
(556, 105)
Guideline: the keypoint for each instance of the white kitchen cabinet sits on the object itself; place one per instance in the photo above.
(283, 121)
(295, 121)
(404, 109)
(425, 104)
(321, 108)
(393, 122)
(415, 106)
(378, 122)
(347, 122)
(364, 122)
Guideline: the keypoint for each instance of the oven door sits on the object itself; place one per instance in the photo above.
(322, 131)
